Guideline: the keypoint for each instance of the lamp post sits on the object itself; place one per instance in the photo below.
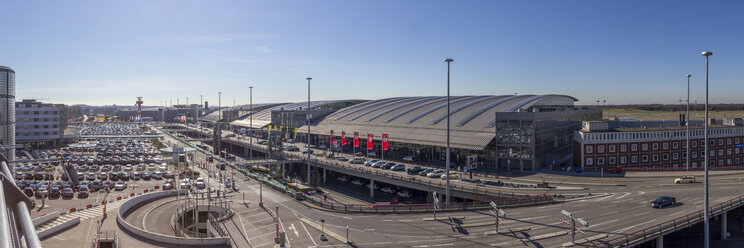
(250, 130)
(447, 165)
(687, 123)
(198, 115)
(307, 117)
(706, 210)
(219, 130)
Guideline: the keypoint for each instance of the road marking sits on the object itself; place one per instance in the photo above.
(625, 229)
(608, 222)
(641, 214)
(291, 227)
(244, 231)
(608, 213)
(437, 245)
(680, 212)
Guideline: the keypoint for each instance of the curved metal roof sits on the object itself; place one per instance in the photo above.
(263, 117)
(420, 119)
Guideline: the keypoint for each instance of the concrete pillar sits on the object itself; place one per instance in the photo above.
(325, 173)
(521, 166)
(660, 242)
(724, 223)
(372, 188)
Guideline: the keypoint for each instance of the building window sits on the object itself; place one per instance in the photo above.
(611, 160)
(738, 161)
(665, 145)
(600, 161)
(665, 156)
(54, 126)
(712, 163)
(694, 154)
(712, 142)
(634, 159)
(612, 148)
(737, 150)
(634, 147)
(720, 152)
(655, 157)
(702, 154)
(600, 149)
(720, 143)
(588, 148)
(738, 141)
(675, 156)
(623, 160)
(694, 143)
(46, 133)
(728, 141)
(684, 145)
(655, 146)
(644, 147)
(589, 161)
(644, 158)
(729, 161)
(729, 151)
(623, 148)
(720, 162)
(675, 145)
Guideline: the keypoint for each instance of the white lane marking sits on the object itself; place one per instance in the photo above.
(625, 229)
(608, 222)
(291, 227)
(608, 213)
(308, 233)
(680, 212)
(437, 245)
(640, 214)
(244, 231)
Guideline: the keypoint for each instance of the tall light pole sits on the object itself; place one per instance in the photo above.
(307, 117)
(198, 120)
(219, 130)
(250, 130)
(447, 165)
(687, 122)
(707, 153)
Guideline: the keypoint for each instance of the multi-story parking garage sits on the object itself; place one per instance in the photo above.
(527, 131)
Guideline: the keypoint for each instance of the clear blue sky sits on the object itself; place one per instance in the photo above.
(109, 52)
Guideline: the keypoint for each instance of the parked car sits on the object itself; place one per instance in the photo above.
(120, 186)
(83, 191)
(377, 186)
(357, 182)
(371, 162)
(167, 186)
(663, 201)
(41, 192)
(356, 161)
(398, 167)
(68, 193)
(307, 151)
(425, 172)
(387, 166)
(157, 175)
(436, 173)
(29, 191)
(408, 158)
(405, 193)
(389, 189)
(343, 178)
(451, 175)
(378, 164)
(414, 170)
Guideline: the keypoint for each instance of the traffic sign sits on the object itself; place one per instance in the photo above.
(739, 145)
(582, 222)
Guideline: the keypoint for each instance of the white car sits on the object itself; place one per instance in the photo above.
(200, 185)
(377, 186)
(343, 178)
(408, 158)
(390, 190)
(357, 182)
(120, 186)
(157, 175)
(405, 193)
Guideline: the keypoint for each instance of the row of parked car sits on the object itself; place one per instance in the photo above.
(386, 189)
(415, 170)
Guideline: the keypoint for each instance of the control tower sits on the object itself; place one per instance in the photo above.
(139, 109)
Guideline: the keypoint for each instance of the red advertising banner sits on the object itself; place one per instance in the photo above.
(384, 142)
(333, 139)
(356, 139)
(370, 144)
(343, 138)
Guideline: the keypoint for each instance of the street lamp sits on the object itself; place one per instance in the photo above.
(447, 167)
(250, 130)
(687, 122)
(307, 117)
(707, 153)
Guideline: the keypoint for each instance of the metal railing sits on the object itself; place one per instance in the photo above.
(426, 207)
(24, 216)
(651, 232)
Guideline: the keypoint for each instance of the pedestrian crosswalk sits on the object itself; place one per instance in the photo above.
(84, 214)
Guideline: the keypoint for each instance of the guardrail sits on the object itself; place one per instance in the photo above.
(427, 207)
(651, 232)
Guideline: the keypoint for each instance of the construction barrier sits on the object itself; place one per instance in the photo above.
(132, 194)
(145, 190)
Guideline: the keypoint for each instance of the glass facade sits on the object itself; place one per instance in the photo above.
(7, 112)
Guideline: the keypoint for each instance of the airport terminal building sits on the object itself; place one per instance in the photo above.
(506, 131)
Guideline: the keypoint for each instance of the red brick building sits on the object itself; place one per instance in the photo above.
(597, 146)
